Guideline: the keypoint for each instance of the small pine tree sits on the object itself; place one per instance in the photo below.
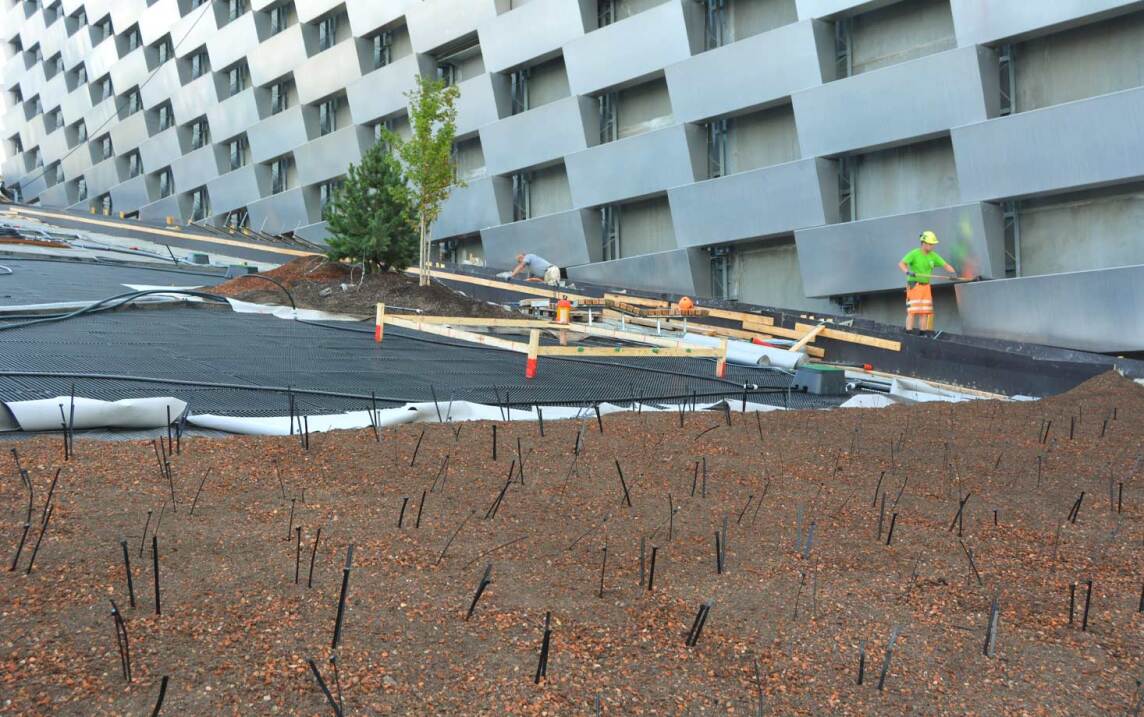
(372, 217)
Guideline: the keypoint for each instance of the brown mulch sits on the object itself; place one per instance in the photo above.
(307, 277)
(235, 629)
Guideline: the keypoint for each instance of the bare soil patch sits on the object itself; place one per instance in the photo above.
(235, 629)
(308, 277)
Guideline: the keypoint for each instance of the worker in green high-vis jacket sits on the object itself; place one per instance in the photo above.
(919, 265)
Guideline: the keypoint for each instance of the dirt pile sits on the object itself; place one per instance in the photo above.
(839, 529)
(316, 283)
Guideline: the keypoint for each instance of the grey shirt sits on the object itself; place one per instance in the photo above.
(536, 265)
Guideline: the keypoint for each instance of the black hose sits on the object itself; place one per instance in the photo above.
(106, 305)
(277, 283)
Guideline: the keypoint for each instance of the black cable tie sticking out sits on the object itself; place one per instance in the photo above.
(624, 484)
(485, 580)
(162, 694)
(121, 641)
(313, 554)
(155, 565)
(697, 625)
(342, 599)
(417, 448)
(325, 690)
(36, 547)
(1074, 512)
(889, 655)
(545, 645)
(127, 569)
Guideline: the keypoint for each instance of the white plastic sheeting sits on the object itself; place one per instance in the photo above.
(285, 312)
(425, 413)
(44, 414)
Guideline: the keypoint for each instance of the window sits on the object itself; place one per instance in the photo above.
(328, 116)
(237, 150)
(238, 77)
(279, 97)
(166, 183)
(280, 175)
(326, 192)
(521, 197)
(235, 8)
(59, 173)
(166, 118)
(81, 189)
(81, 131)
(105, 149)
(106, 204)
(200, 205)
(447, 73)
(164, 50)
(382, 49)
(134, 102)
(134, 164)
(81, 75)
(37, 106)
(327, 32)
(57, 64)
(103, 30)
(134, 39)
(37, 158)
(200, 134)
(17, 144)
(76, 21)
(279, 19)
(200, 64)
(57, 119)
(105, 89)
(610, 232)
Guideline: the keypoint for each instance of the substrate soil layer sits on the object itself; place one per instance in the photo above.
(307, 277)
(807, 583)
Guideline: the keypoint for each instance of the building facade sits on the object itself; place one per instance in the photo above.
(782, 152)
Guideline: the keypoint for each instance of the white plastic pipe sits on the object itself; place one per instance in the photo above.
(746, 353)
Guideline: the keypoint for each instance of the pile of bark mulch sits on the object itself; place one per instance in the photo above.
(839, 530)
(307, 278)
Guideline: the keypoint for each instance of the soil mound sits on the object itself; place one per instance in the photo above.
(317, 283)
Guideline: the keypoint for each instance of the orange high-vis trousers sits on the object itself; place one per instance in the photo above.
(919, 300)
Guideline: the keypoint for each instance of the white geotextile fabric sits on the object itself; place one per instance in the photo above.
(285, 312)
(423, 413)
(868, 400)
(44, 414)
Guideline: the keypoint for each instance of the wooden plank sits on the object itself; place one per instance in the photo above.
(708, 330)
(439, 330)
(519, 287)
(797, 345)
(775, 330)
(855, 338)
(477, 321)
(631, 352)
(740, 316)
(637, 300)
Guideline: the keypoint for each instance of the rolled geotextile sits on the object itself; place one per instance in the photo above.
(743, 352)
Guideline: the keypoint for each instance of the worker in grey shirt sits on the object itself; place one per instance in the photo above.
(538, 269)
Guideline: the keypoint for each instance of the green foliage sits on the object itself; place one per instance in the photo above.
(372, 216)
(427, 156)
(428, 153)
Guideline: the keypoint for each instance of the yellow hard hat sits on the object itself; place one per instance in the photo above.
(928, 237)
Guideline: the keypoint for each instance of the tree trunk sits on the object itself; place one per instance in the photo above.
(423, 268)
